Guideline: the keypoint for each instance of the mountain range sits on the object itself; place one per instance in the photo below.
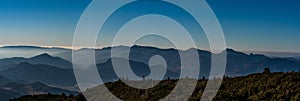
(107, 73)
(28, 51)
(54, 68)
(238, 63)
(45, 59)
(50, 75)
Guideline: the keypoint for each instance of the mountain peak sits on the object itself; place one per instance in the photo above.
(192, 49)
(43, 55)
(230, 50)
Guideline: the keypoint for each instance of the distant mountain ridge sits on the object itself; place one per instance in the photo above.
(31, 47)
(57, 70)
(45, 59)
(107, 72)
(49, 75)
(20, 75)
(237, 62)
(28, 51)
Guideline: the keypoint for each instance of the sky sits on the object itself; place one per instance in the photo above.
(248, 25)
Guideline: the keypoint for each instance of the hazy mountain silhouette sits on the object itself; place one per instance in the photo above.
(241, 63)
(58, 72)
(45, 59)
(28, 51)
(107, 72)
(49, 60)
(49, 75)
(238, 63)
(28, 47)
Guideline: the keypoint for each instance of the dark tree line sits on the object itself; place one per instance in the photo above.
(260, 86)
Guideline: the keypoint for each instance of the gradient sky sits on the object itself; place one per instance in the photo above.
(255, 25)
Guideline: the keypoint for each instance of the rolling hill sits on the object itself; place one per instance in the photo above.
(35, 89)
(106, 70)
(3, 80)
(278, 86)
(45, 59)
(49, 75)
(14, 90)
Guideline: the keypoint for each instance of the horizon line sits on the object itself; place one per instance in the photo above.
(102, 47)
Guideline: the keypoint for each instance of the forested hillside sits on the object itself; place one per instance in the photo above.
(260, 86)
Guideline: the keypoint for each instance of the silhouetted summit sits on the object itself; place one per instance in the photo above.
(45, 59)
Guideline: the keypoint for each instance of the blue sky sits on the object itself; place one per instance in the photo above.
(257, 25)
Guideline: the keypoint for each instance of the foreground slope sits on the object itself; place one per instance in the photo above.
(255, 87)
(13, 90)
